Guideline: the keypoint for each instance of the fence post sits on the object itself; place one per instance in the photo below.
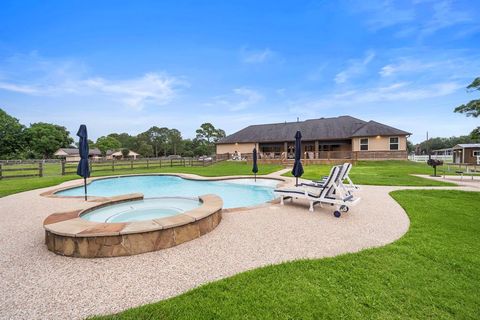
(160, 161)
(147, 163)
(1, 174)
(90, 165)
(171, 162)
(63, 167)
(40, 169)
(131, 164)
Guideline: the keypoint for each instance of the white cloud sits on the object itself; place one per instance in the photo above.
(416, 18)
(257, 56)
(42, 77)
(386, 13)
(397, 92)
(156, 88)
(240, 99)
(18, 88)
(405, 65)
(445, 16)
(355, 67)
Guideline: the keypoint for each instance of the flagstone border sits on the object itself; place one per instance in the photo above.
(66, 233)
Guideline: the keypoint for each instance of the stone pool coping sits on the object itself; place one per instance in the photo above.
(66, 233)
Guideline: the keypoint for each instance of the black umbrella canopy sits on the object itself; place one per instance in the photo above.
(255, 166)
(297, 170)
(83, 169)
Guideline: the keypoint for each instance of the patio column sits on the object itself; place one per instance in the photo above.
(285, 149)
(316, 150)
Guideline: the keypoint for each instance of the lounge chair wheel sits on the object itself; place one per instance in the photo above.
(337, 214)
(343, 208)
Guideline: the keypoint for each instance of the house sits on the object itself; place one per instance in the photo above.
(343, 137)
(116, 155)
(466, 153)
(443, 152)
(73, 155)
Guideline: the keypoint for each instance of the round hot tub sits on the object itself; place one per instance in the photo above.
(130, 224)
(141, 210)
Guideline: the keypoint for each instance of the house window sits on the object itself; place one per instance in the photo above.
(476, 153)
(394, 143)
(364, 144)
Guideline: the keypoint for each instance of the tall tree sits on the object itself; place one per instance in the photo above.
(145, 150)
(127, 141)
(175, 140)
(209, 133)
(472, 108)
(156, 137)
(475, 134)
(46, 138)
(12, 136)
(107, 143)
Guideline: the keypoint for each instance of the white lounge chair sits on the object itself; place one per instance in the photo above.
(328, 193)
(344, 174)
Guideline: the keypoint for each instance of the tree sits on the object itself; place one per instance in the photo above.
(472, 108)
(145, 150)
(410, 146)
(156, 137)
(175, 140)
(209, 133)
(475, 134)
(126, 140)
(125, 152)
(107, 143)
(12, 136)
(46, 138)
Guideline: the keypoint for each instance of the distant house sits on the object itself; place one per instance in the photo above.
(443, 152)
(116, 155)
(466, 153)
(72, 154)
(343, 137)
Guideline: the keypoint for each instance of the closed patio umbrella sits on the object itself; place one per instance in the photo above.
(255, 167)
(297, 170)
(83, 169)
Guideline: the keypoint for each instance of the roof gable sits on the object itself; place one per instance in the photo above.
(373, 128)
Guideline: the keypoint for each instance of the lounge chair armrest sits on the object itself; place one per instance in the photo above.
(315, 185)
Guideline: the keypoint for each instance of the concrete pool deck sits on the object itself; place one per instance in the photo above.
(38, 284)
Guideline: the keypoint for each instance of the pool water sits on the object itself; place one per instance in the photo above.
(234, 193)
(140, 210)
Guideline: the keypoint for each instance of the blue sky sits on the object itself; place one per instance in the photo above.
(123, 66)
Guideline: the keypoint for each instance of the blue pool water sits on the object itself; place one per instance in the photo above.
(235, 193)
(141, 210)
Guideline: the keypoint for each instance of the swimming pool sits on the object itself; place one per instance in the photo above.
(234, 192)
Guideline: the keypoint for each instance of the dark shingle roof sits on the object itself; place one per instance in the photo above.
(373, 128)
(343, 127)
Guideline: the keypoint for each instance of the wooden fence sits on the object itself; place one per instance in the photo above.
(147, 163)
(32, 169)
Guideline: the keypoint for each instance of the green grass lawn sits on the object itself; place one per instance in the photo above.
(225, 168)
(432, 272)
(383, 173)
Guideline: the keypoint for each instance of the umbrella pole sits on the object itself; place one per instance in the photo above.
(255, 177)
(85, 186)
(296, 183)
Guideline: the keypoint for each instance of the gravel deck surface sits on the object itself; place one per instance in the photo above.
(38, 284)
